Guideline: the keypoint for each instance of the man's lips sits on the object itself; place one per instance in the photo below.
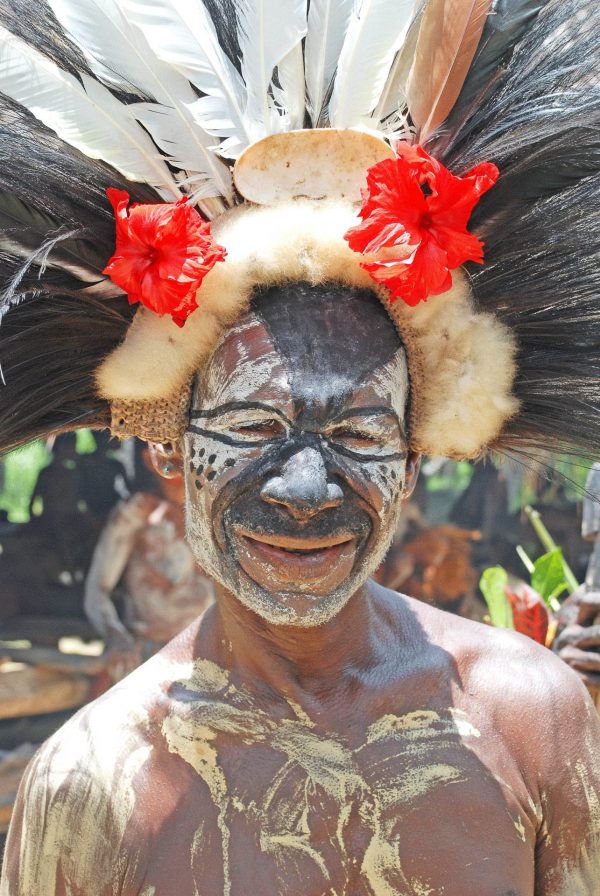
(297, 544)
(294, 562)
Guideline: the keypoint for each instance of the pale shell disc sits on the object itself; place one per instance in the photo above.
(323, 163)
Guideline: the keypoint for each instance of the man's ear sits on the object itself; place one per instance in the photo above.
(413, 465)
(166, 459)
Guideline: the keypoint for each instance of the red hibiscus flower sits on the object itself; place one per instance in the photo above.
(163, 253)
(414, 216)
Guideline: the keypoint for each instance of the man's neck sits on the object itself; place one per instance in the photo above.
(290, 660)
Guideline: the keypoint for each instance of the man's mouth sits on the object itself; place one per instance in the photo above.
(296, 562)
(292, 545)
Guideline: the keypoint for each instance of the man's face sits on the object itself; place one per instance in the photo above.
(295, 457)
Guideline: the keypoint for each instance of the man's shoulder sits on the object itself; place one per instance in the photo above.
(508, 671)
(120, 723)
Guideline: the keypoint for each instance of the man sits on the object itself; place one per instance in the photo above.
(313, 732)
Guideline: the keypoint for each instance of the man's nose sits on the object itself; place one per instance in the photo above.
(302, 486)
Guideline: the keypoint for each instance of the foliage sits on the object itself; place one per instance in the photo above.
(493, 585)
(548, 577)
(21, 469)
(452, 476)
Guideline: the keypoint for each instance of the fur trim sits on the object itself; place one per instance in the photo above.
(462, 362)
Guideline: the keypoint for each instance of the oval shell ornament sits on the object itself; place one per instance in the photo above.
(317, 164)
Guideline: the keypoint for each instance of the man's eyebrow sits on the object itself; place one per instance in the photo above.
(371, 411)
(238, 406)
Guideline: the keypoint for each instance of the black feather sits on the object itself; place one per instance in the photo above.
(55, 337)
(540, 123)
(50, 346)
(24, 231)
(542, 279)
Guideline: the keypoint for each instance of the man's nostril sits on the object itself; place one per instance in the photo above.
(302, 486)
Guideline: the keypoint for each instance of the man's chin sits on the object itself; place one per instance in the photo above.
(293, 608)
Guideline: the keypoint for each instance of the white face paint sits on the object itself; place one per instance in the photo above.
(292, 502)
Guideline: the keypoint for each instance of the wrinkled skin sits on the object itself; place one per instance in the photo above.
(319, 735)
(276, 453)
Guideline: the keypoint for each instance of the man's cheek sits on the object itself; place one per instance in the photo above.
(208, 460)
(387, 481)
(210, 466)
(381, 484)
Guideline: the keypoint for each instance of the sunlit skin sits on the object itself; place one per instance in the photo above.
(314, 734)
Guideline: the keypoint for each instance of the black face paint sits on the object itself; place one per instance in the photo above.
(302, 432)
(331, 338)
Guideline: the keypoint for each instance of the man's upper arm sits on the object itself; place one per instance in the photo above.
(52, 841)
(568, 848)
(68, 827)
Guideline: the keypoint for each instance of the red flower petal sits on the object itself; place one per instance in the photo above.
(414, 203)
(163, 252)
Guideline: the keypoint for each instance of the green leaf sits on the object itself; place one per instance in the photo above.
(548, 576)
(493, 584)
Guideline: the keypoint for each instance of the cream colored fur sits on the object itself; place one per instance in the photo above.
(465, 358)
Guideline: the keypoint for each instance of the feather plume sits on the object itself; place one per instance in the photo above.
(539, 121)
(71, 192)
(119, 55)
(268, 31)
(34, 22)
(328, 22)
(87, 117)
(51, 345)
(392, 107)
(504, 28)
(375, 33)
(291, 92)
(115, 52)
(448, 38)
(183, 35)
(24, 230)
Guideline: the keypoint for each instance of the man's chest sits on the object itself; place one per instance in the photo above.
(407, 808)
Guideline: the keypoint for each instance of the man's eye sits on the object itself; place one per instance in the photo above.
(355, 438)
(259, 429)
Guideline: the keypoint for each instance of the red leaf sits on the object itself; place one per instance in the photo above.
(530, 614)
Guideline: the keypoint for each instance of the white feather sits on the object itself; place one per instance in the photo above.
(116, 52)
(187, 147)
(89, 118)
(376, 32)
(181, 33)
(327, 25)
(291, 95)
(268, 30)
(391, 113)
(119, 55)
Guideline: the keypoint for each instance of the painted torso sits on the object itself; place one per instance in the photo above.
(279, 805)
(182, 781)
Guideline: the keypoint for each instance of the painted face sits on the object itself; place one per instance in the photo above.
(295, 457)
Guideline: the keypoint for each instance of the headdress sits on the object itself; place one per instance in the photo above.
(443, 154)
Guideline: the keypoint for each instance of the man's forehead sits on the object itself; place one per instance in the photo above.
(309, 352)
(246, 365)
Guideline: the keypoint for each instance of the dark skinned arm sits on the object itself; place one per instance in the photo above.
(568, 787)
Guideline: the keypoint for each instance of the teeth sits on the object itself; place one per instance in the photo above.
(303, 550)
